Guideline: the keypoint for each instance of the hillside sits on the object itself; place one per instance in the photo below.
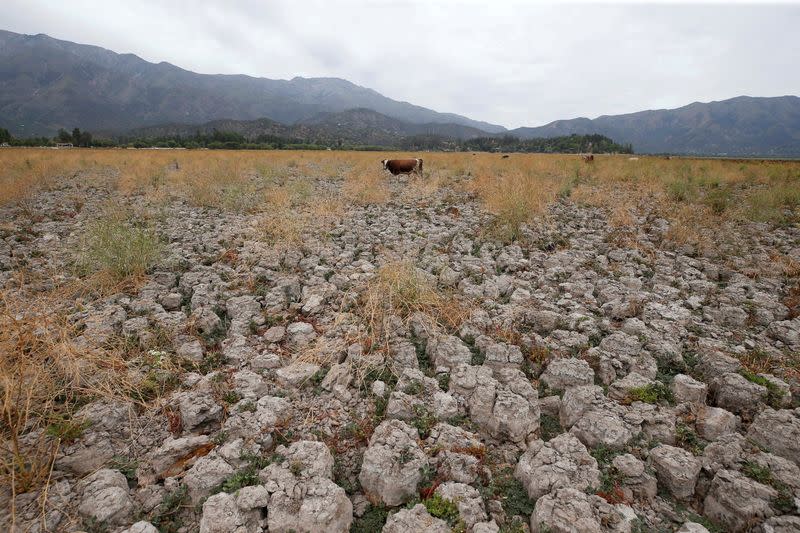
(355, 126)
(739, 126)
(46, 84)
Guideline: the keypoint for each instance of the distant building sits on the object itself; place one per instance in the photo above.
(63, 145)
(5, 145)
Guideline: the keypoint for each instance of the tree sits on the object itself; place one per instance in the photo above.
(76, 135)
(84, 139)
(5, 136)
(63, 136)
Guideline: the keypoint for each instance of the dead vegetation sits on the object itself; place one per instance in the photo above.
(398, 292)
(45, 376)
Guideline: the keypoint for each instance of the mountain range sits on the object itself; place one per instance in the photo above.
(354, 126)
(47, 84)
(739, 126)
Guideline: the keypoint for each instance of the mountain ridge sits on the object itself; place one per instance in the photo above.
(47, 84)
(743, 125)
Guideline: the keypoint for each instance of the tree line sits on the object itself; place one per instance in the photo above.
(217, 140)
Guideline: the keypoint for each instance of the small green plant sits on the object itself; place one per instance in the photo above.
(248, 475)
(220, 438)
(413, 388)
(66, 429)
(120, 245)
(126, 465)
(372, 520)
(154, 384)
(212, 360)
(784, 501)
(680, 190)
(445, 509)
(718, 199)
(516, 525)
(510, 492)
(603, 455)
(166, 517)
(759, 473)
(774, 396)
(318, 376)
(344, 477)
(549, 427)
(247, 406)
(296, 468)
(242, 478)
(423, 420)
(230, 397)
(444, 381)
(686, 438)
(653, 393)
(92, 525)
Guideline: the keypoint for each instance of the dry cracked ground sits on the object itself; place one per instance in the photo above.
(396, 368)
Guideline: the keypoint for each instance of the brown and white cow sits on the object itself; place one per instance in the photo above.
(403, 166)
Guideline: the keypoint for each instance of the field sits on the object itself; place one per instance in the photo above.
(177, 326)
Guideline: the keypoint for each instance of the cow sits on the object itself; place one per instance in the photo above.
(403, 166)
(589, 158)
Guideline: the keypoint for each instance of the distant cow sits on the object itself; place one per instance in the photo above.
(403, 166)
(588, 158)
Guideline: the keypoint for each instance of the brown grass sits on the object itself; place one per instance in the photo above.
(399, 290)
(44, 377)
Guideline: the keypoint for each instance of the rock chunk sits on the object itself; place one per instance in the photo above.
(206, 474)
(737, 502)
(637, 483)
(677, 469)
(779, 432)
(735, 393)
(221, 515)
(390, 471)
(198, 409)
(467, 499)
(302, 498)
(296, 374)
(687, 389)
(106, 498)
(561, 462)
(561, 374)
(502, 402)
(415, 519)
(447, 352)
(714, 422)
(568, 510)
(608, 425)
(141, 527)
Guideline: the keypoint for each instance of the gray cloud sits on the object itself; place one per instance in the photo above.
(510, 62)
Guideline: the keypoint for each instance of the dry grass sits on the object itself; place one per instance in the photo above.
(366, 186)
(119, 244)
(694, 195)
(515, 197)
(44, 377)
(399, 291)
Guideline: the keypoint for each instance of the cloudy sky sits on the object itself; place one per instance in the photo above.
(508, 62)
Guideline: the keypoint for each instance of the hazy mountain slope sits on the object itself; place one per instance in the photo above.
(738, 126)
(356, 126)
(47, 83)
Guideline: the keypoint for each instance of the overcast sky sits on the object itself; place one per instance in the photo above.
(507, 62)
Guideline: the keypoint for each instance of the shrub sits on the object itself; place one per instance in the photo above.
(120, 246)
(445, 509)
(653, 393)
